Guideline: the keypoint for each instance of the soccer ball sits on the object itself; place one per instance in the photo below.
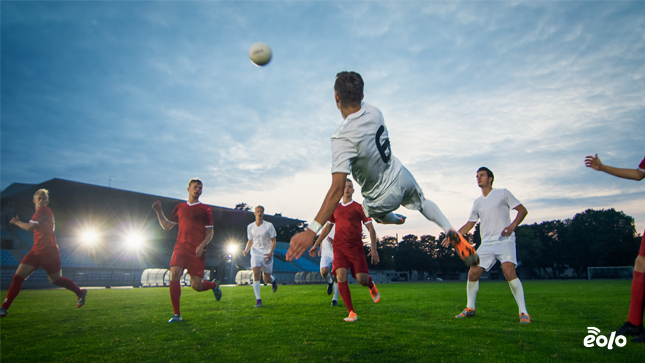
(260, 54)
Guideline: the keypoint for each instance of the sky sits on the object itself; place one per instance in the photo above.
(143, 96)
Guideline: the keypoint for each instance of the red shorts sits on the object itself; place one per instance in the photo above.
(352, 258)
(184, 257)
(48, 259)
(641, 251)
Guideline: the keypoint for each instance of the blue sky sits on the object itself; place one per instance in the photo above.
(151, 94)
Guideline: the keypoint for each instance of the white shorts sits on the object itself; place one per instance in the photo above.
(489, 253)
(258, 261)
(404, 192)
(326, 260)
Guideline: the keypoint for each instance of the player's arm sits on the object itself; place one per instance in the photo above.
(462, 231)
(207, 239)
(374, 250)
(301, 241)
(595, 163)
(249, 244)
(269, 256)
(321, 238)
(521, 214)
(163, 221)
(22, 225)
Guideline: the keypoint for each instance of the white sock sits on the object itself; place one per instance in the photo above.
(272, 278)
(432, 212)
(256, 289)
(518, 293)
(335, 292)
(329, 279)
(471, 290)
(390, 218)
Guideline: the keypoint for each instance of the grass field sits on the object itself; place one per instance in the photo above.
(412, 323)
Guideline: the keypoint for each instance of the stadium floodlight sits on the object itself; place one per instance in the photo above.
(232, 248)
(134, 241)
(89, 237)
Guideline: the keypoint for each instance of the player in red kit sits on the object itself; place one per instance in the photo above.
(348, 217)
(43, 254)
(634, 324)
(195, 222)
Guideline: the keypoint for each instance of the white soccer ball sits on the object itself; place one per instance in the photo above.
(260, 54)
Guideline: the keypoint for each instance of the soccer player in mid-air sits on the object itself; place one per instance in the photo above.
(326, 254)
(361, 146)
(634, 323)
(44, 253)
(348, 219)
(492, 209)
(261, 243)
(195, 222)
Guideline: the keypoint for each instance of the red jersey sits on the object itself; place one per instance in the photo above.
(193, 219)
(349, 220)
(642, 165)
(44, 236)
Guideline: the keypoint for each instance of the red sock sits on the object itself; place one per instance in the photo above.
(68, 284)
(371, 284)
(208, 285)
(346, 295)
(14, 290)
(638, 295)
(175, 294)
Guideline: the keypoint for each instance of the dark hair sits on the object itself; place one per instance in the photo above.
(195, 180)
(349, 180)
(349, 87)
(490, 173)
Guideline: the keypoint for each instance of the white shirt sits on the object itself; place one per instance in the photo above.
(361, 147)
(326, 246)
(494, 213)
(261, 236)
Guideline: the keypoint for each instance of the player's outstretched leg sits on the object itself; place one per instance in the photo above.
(274, 284)
(81, 298)
(175, 295)
(14, 290)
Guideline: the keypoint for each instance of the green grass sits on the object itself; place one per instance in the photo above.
(412, 323)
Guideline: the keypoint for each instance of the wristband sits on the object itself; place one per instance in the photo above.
(314, 226)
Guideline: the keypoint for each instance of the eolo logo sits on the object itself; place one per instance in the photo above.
(602, 341)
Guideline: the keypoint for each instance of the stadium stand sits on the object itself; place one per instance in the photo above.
(302, 262)
(7, 259)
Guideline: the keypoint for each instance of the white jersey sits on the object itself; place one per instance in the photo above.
(261, 236)
(361, 147)
(494, 213)
(326, 247)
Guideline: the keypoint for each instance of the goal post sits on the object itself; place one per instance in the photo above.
(613, 272)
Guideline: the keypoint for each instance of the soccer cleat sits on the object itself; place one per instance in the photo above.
(217, 291)
(3, 312)
(274, 285)
(81, 299)
(175, 318)
(330, 288)
(376, 296)
(466, 313)
(258, 304)
(630, 329)
(401, 218)
(352, 317)
(639, 339)
(466, 251)
(525, 319)
(334, 303)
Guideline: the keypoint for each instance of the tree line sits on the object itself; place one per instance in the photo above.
(591, 238)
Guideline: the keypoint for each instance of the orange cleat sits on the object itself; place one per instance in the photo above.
(466, 313)
(352, 317)
(376, 296)
(525, 319)
(466, 251)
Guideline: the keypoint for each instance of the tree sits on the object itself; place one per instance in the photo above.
(600, 238)
(243, 206)
(411, 255)
(386, 251)
(284, 233)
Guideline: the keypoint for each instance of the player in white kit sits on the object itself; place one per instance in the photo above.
(492, 209)
(326, 254)
(262, 240)
(361, 146)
